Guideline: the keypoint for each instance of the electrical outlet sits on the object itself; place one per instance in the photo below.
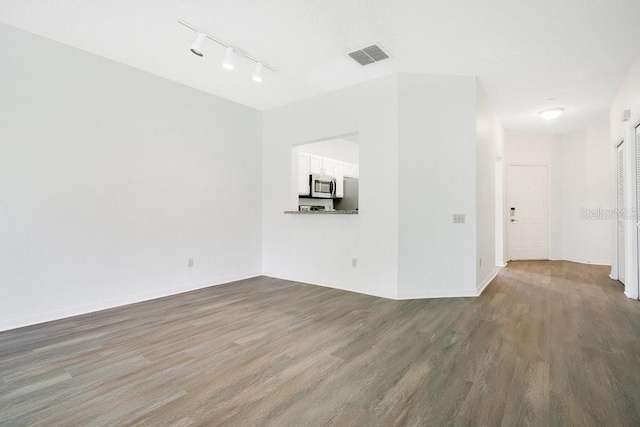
(190, 262)
(354, 262)
(458, 218)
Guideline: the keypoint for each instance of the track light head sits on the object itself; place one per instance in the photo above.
(227, 63)
(257, 73)
(196, 47)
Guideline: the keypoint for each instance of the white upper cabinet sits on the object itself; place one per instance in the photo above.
(327, 166)
(350, 170)
(303, 174)
(338, 168)
(321, 165)
(315, 164)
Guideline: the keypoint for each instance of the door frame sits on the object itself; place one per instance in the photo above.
(632, 287)
(625, 178)
(506, 208)
(632, 249)
(615, 253)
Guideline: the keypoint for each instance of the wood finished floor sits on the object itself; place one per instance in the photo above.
(548, 343)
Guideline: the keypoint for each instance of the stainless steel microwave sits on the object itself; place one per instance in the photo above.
(322, 186)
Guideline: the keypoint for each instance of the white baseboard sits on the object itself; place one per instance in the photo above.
(501, 265)
(426, 294)
(117, 302)
(438, 294)
(487, 280)
(324, 285)
(599, 262)
(582, 261)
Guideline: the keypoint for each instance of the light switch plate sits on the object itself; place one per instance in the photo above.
(458, 218)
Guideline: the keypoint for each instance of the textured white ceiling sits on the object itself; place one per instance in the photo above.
(523, 51)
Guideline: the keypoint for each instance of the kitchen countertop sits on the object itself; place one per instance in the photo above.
(345, 212)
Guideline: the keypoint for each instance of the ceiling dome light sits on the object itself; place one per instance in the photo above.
(227, 63)
(551, 113)
(196, 47)
(257, 74)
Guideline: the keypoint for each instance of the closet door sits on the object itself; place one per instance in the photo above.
(620, 212)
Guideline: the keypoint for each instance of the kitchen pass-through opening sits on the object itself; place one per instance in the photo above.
(327, 173)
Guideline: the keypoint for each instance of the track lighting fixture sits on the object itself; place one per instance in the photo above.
(229, 54)
(227, 62)
(257, 73)
(196, 47)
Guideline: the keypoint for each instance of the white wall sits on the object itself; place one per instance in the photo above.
(579, 178)
(318, 248)
(337, 149)
(437, 173)
(572, 173)
(628, 98)
(585, 169)
(110, 178)
(489, 147)
(599, 183)
(501, 212)
(417, 139)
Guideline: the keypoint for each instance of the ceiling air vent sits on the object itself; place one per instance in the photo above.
(369, 55)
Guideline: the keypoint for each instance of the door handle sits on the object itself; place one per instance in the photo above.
(514, 220)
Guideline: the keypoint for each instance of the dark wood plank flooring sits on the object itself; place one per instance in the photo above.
(548, 343)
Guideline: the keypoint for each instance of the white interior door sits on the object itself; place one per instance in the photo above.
(620, 212)
(528, 212)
